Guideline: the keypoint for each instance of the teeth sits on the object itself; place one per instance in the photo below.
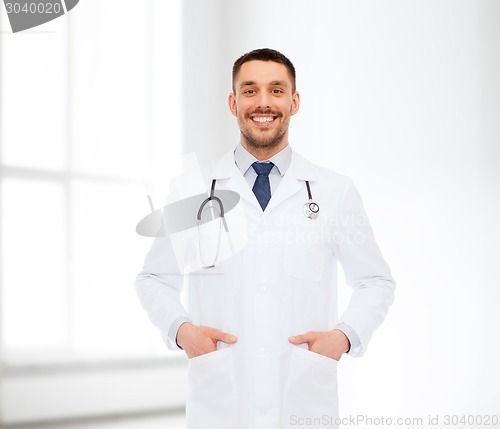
(263, 119)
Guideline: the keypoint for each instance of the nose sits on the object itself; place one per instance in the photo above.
(264, 100)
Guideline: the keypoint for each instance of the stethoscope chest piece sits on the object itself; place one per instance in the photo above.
(311, 209)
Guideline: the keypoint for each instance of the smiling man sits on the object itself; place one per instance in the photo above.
(261, 331)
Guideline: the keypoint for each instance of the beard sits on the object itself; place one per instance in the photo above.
(265, 139)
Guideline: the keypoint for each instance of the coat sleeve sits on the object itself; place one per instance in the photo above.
(159, 286)
(365, 269)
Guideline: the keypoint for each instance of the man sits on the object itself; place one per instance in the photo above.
(262, 331)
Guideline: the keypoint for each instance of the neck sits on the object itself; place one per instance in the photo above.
(264, 152)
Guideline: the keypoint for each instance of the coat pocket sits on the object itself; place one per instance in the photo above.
(211, 400)
(310, 397)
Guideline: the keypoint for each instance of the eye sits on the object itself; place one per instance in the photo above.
(249, 91)
(277, 91)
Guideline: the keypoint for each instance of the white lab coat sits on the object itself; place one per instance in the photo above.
(283, 283)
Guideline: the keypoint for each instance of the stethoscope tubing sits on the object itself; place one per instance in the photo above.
(311, 210)
(210, 198)
(311, 205)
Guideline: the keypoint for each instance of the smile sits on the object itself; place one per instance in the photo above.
(263, 120)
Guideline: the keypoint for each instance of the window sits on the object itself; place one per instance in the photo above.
(90, 125)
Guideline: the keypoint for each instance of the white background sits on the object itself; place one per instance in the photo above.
(402, 96)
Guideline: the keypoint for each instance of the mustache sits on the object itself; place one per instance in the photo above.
(265, 112)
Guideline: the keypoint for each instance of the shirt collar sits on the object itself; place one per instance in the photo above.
(245, 159)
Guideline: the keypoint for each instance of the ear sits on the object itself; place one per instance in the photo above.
(295, 103)
(231, 101)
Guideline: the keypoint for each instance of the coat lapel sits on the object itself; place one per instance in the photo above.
(293, 181)
(227, 174)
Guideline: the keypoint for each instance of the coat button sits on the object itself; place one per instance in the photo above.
(263, 289)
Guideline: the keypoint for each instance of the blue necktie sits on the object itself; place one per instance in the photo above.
(261, 187)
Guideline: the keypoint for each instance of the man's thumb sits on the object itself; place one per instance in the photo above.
(225, 337)
(299, 339)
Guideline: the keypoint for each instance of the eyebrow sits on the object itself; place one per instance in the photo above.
(273, 83)
(247, 83)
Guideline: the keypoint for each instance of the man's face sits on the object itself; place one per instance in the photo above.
(263, 103)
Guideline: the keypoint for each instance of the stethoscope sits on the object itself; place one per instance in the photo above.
(311, 210)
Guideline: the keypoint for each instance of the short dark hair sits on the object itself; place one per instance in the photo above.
(264, 54)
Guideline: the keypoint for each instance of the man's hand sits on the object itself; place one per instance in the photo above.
(332, 344)
(199, 340)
